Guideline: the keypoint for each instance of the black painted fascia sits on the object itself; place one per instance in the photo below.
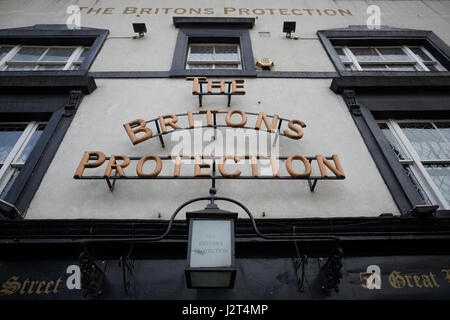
(48, 81)
(385, 80)
(389, 235)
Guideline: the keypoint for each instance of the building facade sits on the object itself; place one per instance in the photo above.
(329, 138)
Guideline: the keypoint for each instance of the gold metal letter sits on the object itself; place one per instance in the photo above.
(177, 168)
(222, 171)
(322, 162)
(235, 84)
(142, 128)
(198, 166)
(190, 119)
(196, 81)
(236, 125)
(291, 171)
(297, 130)
(275, 166)
(112, 165)
(142, 162)
(170, 123)
(254, 163)
(208, 116)
(212, 85)
(84, 163)
(270, 127)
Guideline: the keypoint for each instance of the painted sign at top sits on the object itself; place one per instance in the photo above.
(228, 11)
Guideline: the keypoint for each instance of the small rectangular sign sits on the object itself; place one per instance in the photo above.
(211, 243)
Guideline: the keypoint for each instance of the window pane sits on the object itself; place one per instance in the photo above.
(421, 54)
(29, 54)
(10, 183)
(375, 67)
(398, 150)
(201, 53)
(366, 54)
(441, 178)
(20, 68)
(9, 134)
(444, 129)
(401, 67)
(50, 67)
(227, 53)
(30, 145)
(58, 54)
(227, 66)
(394, 54)
(342, 55)
(432, 67)
(4, 51)
(426, 141)
(416, 184)
(200, 66)
(83, 55)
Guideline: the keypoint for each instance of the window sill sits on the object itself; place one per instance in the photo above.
(47, 80)
(393, 80)
(214, 73)
(443, 213)
(202, 22)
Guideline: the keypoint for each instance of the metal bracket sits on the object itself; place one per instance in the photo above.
(312, 185)
(350, 99)
(111, 180)
(330, 272)
(71, 105)
(202, 93)
(112, 184)
(299, 263)
(92, 276)
(161, 139)
(127, 265)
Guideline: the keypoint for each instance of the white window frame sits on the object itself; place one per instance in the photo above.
(70, 64)
(214, 62)
(415, 163)
(415, 61)
(12, 160)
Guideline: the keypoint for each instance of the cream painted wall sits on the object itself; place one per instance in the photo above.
(98, 125)
(154, 53)
(98, 122)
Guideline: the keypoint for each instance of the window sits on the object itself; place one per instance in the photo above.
(213, 56)
(405, 90)
(17, 140)
(36, 111)
(402, 58)
(213, 47)
(358, 48)
(423, 149)
(32, 58)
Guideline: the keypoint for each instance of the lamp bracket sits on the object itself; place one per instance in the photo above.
(92, 276)
(330, 273)
(300, 265)
(127, 269)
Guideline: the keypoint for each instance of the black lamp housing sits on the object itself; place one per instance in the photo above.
(140, 28)
(288, 28)
(211, 277)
